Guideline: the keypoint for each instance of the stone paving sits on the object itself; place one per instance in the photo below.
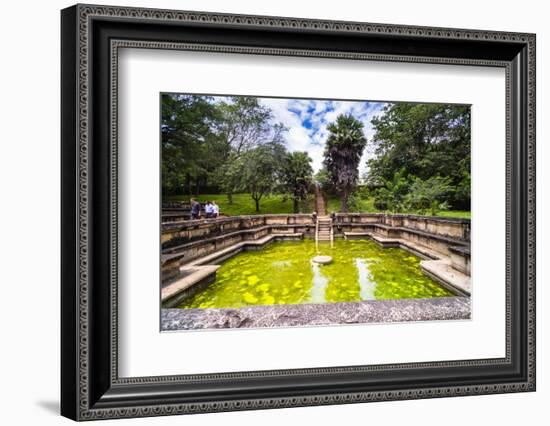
(378, 311)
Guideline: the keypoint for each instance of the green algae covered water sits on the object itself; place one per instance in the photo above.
(283, 273)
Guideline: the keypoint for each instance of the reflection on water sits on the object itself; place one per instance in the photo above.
(281, 263)
(366, 285)
(319, 286)
(321, 245)
(283, 273)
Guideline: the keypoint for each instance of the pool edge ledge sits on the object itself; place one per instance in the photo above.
(325, 314)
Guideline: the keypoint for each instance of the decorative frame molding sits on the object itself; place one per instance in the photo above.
(91, 37)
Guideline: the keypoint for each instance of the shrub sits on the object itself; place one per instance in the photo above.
(428, 195)
(392, 195)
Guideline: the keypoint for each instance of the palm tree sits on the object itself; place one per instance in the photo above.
(343, 150)
(297, 177)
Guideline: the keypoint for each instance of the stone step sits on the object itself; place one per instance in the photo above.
(191, 275)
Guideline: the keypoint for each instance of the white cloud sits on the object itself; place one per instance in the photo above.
(307, 122)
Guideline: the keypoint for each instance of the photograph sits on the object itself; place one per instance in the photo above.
(279, 212)
(278, 208)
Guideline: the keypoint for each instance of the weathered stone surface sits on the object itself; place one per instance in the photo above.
(443, 272)
(456, 228)
(196, 239)
(323, 260)
(192, 276)
(176, 233)
(380, 311)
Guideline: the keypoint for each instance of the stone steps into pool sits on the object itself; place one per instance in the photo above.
(173, 293)
(193, 276)
(436, 265)
(324, 228)
(443, 272)
(228, 252)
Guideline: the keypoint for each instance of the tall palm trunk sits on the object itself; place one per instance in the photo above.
(344, 201)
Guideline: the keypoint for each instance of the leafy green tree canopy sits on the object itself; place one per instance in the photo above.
(424, 141)
(203, 137)
(191, 146)
(260, 170)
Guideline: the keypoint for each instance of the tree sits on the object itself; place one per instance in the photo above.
(342, 155)
(260, 170)
(190, 142)
(229, 175)
(245, 125)
(297, 177)
(423, 140)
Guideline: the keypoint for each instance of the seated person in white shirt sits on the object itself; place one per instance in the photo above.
(209, 209)
(215, 209)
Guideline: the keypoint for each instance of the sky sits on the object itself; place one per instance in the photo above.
(307, 121)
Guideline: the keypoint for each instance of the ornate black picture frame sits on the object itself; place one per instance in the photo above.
(91, 37)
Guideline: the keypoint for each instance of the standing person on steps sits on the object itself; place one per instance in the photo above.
(195, 209)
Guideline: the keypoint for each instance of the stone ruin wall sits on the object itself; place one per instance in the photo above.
(189, 240)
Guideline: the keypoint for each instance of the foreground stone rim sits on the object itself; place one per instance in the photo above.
(375, 311)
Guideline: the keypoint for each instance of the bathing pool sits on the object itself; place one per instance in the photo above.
(284, 273)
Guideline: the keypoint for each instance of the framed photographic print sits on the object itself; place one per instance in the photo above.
(263, 212)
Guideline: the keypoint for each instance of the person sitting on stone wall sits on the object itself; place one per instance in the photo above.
(215, 209)
(209, 210)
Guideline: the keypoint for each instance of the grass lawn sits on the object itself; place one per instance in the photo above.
(243, 204)
(364, 205)
(456, 213)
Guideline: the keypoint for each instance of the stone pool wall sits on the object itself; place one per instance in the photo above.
(186, 241)
(455, 228)
(191, 249)
(178, 234)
